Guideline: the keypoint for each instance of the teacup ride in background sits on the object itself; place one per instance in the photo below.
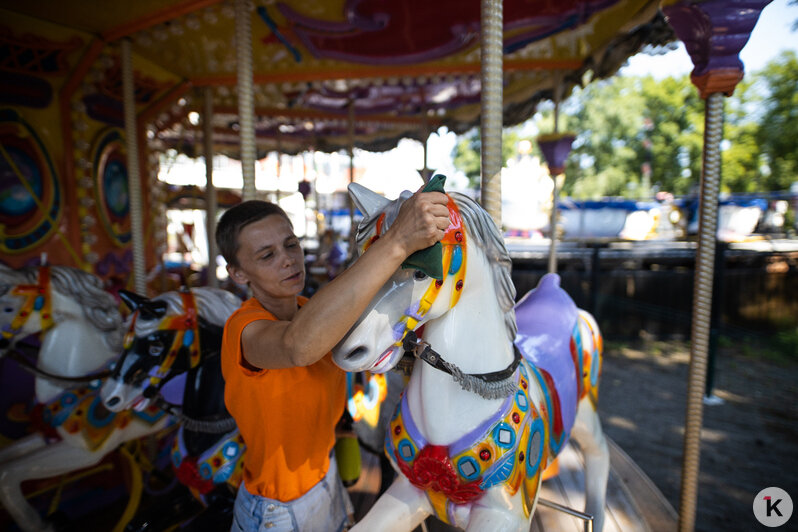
(479, 420)
(80, 330)
(172, 360)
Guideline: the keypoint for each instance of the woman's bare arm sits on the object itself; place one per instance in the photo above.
(325, 319)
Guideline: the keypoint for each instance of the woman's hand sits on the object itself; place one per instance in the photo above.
(421, 222)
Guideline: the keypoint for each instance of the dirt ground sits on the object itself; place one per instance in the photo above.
(749, 441)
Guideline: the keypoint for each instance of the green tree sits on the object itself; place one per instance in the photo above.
(777, 135)
(627, 124)
(467, 153)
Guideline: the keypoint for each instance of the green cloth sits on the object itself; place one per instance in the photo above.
(429, 260)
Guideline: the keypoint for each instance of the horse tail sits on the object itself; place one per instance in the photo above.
(592, 345)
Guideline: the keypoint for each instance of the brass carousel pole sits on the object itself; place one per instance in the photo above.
(243, 10)
(210, 189)
(133, 174)
(492, 106)
(713, 32)
(555, 148)
(352, 252)
(555, 178)
(426, 173)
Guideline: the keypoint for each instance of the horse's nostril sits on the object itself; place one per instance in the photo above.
(356, 353)
(112, 401)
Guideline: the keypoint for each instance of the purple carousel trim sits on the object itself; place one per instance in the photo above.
(410, 425)
(714, 31)
(482, 429)
(362, 17)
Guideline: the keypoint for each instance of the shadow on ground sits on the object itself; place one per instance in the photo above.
(748, 442)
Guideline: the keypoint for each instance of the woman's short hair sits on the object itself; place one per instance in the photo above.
(238, 217)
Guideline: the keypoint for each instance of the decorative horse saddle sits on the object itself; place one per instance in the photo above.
(81, 410)
(220, 463)
(500, 450)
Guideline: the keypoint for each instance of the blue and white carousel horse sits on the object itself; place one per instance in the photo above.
(480, 418)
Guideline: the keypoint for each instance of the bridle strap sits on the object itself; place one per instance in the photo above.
(454, 265)
(31, 368)
(187, 335)
(423, 351)
(37, 299)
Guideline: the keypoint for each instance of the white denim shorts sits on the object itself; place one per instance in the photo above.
(325, 508)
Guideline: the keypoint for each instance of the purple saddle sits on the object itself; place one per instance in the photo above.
(546, 318)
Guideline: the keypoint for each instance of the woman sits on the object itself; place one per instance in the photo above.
(281, 386)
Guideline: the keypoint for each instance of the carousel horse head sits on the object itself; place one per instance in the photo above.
(78, 322)
(167, 336)
(470, 258)
(36, 300)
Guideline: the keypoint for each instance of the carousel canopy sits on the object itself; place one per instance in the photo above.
(327, 73)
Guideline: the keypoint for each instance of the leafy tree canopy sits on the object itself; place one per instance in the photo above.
(639, 135)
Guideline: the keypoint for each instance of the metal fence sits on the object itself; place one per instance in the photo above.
(629, 290)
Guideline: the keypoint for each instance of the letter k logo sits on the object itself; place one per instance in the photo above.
(772, 506)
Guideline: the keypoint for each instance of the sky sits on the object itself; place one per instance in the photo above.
(770, 36)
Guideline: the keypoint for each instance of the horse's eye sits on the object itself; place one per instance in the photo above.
(418, 275)
(138, 377)
(9, 309)
(156, 348)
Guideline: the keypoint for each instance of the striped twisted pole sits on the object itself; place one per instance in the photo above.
(492, 34)
(133, 173)
(246, 100)
(713, 32)
(210, 189)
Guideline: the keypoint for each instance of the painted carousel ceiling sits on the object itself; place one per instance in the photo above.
(326, 72)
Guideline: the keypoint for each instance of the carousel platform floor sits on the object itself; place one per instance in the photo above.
(634, 504)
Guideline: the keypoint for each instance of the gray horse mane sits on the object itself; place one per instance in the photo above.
(487, 236)
(99, 307)
(213, 304)
(484, 234)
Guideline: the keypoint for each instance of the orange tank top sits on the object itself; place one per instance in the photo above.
(287, 417)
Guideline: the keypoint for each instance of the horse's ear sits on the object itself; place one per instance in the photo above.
(148, 309)
(154, 310)
(367, 201)
(131, 299)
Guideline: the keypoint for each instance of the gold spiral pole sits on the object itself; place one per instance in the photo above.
(702, 308)
(246, 101)
(210, 189)
(492, 95)
(133, 174)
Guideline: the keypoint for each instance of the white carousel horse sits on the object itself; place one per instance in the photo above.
(80, 323)
(172, 355)
(81, 331)
(478, 422)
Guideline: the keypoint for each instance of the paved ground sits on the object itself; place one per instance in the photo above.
(749, 442)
